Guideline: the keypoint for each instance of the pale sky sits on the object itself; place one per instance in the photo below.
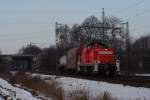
(25, 21)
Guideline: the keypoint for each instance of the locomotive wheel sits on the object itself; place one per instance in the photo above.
(112, 72)
(102, 73)
(89, 70)
(107, 73)
(61, 69)
(70, 71)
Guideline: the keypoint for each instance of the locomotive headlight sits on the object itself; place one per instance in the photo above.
(106, 52)
(98, 61)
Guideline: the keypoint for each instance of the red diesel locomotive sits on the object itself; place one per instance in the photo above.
(94, 58)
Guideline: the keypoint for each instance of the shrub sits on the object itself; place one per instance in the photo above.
(105, 96)
(51, 89)
(79, 95)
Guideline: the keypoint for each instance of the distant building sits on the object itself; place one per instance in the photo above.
(20, 62)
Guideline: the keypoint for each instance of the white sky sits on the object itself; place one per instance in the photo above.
(25, 21)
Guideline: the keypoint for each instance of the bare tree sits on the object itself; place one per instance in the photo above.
(48, 59)
(90, 30)
(63, 36)
(140, 57)
(75, 35)
(115, 31)
(30, 49)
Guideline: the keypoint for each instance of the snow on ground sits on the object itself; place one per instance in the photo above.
(7, 89)
(1, 98)
(142, 74)
(95, 88)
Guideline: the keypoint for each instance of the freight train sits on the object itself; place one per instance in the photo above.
(90, 59)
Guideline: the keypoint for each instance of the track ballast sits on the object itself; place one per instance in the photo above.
(130, 80)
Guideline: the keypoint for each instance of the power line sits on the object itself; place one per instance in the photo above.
(31, 33)
(22, 38)
(140, 2)
(139, 14)
(140, 28)
(144, 25)
(132, 6)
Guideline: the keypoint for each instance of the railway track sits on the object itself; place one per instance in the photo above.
(126, 80)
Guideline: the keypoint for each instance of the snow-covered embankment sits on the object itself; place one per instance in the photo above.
(14, 93)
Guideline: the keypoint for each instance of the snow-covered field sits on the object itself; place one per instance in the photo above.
(14, 93)
(142, 74)
(95, 88)
(1, 98)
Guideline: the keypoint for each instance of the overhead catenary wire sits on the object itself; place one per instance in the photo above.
(141, 2)
(141, 26)
(132, 6)
(23, 38)
(139, 14)
(23, 33)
